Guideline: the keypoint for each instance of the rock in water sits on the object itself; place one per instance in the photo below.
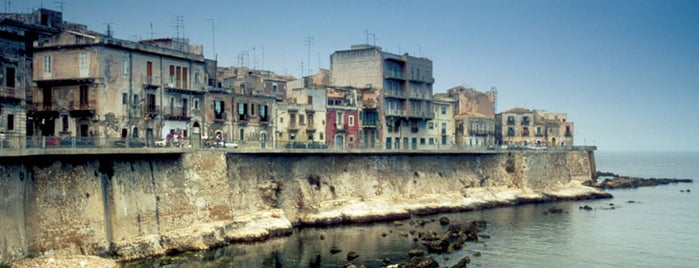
(352, 255)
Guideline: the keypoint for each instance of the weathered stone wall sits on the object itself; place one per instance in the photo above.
(134, 206)
(13, 240)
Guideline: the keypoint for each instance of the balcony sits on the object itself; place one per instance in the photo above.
(525, 122)
(568, 134)
(394, 94)
(176, 113)
(152, 110)
(394, 112)
(421, 96)
(293, 127)
(511, 122)
(10, 94)
(339, 128)
(421, 78)
(219, 118)
(393, 75)
(150, 82)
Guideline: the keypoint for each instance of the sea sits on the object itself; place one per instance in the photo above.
(643, 227)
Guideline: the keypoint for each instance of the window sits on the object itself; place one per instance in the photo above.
(431, 141)
(444, 110)
(10, 122)
(64, 119)
(47, 64)
(124, 98)
(125, 65)
(178, 76)
(252, 109)
(301, 121)
(10, 77)
(83, 60)
(185, 80)
(135, 99)
(263, 112)
(351, 120)
(196, 104)
(310, 120)
(219, 107)
(430, 125)
(510, 131)
(149, 69)
(422, 141)
(310, 99)
(274, 87)
(83, 95)
(172, 75)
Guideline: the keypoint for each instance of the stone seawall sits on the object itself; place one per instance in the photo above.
(134, 206)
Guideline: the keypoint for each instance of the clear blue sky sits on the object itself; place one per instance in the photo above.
(626, 72)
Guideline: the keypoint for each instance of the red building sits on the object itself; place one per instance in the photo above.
(342, 128)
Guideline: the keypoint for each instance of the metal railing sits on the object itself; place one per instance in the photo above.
(17, 143)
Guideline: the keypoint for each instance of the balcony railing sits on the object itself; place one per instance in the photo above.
(8, 92)
(394, 75)
(152, 109)
(395, 112)
(394, 93)
(150, 82)
(175, 113)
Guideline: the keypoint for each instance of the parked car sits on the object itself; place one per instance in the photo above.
(132, 144)
(230, 145)
(53, 141)
(295, 145)
(317, 145)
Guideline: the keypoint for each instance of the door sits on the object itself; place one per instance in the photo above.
(339, 142)
(414, 143)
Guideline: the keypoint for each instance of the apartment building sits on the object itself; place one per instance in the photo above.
(474, 116)
(441, 129)
(18, 32)
(524, 127)
(343, 120)
(403, 86)
(90, 85)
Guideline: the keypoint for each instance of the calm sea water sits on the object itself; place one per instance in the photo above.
(658, 229)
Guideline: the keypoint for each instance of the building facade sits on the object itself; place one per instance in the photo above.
(17, 34)
(92, 86)
(442, 127)
(474, 117)
(403, 86)
(343, 121)
(524, 127)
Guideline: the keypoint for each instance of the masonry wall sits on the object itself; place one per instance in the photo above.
(74, 205)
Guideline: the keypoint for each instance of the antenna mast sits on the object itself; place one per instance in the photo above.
(213, 38)
(309, 41)
(494, 91)
(60, 5)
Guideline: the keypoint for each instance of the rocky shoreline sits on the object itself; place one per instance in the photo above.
(265, 224)
(615, 181)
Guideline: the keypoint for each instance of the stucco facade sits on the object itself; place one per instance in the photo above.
(95, 86)
(17, 34)
(524, 127)
(404, 91)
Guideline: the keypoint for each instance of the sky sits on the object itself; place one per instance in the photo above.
(625, 71)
